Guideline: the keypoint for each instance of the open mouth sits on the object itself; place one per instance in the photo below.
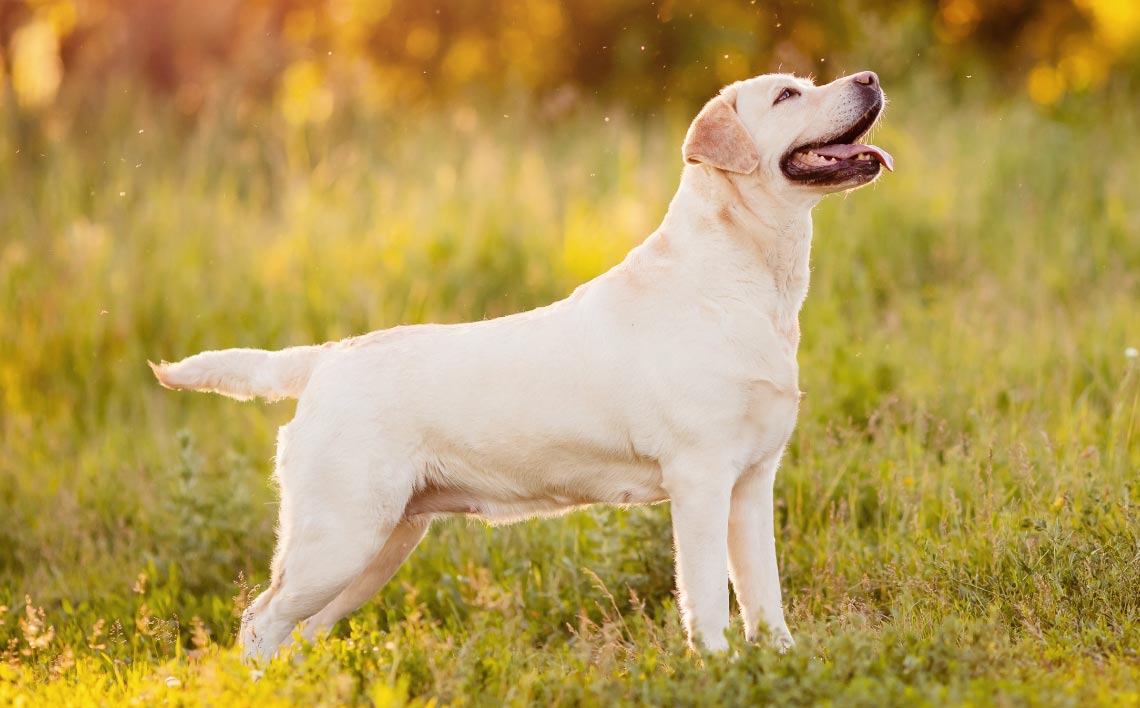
(840, 159)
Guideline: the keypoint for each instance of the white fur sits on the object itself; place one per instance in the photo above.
(671, 377)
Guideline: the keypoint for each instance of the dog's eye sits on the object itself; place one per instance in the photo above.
(785, 95)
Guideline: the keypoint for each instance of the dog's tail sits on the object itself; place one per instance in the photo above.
(243, 373)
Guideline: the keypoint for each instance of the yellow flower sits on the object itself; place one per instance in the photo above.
(1045, 84)
(36, 67)
(1117, 21)
(303, 96)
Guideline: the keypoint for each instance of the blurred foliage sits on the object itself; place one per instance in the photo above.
(305, 55)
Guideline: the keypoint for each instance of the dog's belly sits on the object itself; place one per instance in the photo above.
(502, 497)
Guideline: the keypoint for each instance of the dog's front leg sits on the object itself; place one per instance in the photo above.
(699, 505)
(752, 555)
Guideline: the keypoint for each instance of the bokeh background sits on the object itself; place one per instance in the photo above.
(957, 509)
(311, 57)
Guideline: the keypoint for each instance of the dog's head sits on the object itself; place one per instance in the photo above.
(791, 133)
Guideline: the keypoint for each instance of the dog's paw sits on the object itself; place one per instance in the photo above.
(776, 635)
(781, 638)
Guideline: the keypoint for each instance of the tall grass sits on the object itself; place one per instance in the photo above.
(957, 512)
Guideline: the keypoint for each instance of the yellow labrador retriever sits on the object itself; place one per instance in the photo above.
(671, 377)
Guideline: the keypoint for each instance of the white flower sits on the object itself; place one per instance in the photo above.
(1131, 352)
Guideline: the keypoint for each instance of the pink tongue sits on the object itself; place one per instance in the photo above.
(846, 152)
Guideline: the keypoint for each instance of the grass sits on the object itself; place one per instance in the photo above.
(957, 511)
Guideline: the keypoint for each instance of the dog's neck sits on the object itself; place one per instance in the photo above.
(747, 227)
(742, 247)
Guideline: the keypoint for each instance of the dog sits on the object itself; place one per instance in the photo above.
(671, 377)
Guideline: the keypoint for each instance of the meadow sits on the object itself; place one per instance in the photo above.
(957, 513)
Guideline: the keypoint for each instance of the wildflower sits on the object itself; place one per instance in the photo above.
(199, 634)
(145, 622)
(63, 663)
(37, 633)
(1132, 352)
(97, 633)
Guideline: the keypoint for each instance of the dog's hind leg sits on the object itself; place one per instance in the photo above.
(313, 565)
(336, 514)
(311, 568)
(400, 544)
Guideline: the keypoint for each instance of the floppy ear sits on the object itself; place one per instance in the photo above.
(718, 138)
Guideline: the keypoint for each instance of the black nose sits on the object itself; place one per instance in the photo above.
(867, 78)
